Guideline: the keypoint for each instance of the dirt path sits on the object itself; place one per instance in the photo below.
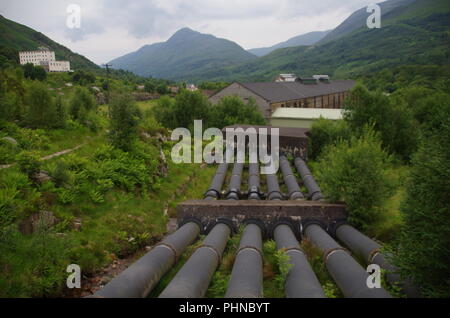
(55, 155)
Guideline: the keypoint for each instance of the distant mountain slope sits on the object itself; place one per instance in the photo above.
(19, 37)
(358, 19)
(417, 34)
(304, 39)
(185, 55)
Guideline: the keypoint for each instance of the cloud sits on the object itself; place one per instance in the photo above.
(111, 28)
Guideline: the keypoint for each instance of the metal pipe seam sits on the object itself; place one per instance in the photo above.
(246, 248)
(212, 224)
(218, 254)
(328, 253)
(296, 227)
(192, 220)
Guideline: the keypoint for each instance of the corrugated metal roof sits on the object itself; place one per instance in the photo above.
(285, 91)
(307, 113)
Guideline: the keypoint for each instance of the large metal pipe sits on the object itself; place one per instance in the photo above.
(290, 180)
(235, 182)
(315, 194)
(301, 281)
(254, 192)
(194, 277)
(215, 190)
(350, 277)
(247, 275)
(368, 249)
(138, 280)
(273, 188)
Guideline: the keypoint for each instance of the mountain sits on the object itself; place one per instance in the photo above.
(359, 19)
(417, 34)
(18, 37)
(185, 55)
(304, 39)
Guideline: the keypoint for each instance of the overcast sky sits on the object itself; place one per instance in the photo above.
(111, 28)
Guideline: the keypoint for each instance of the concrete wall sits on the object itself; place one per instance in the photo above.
(236, 89)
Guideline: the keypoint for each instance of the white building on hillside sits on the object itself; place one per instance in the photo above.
(45, 58)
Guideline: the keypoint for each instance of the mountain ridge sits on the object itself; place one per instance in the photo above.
(185, 54)
(20, 37)
(299, 40)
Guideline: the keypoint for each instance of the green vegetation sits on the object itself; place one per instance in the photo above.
(403, 201)
(423, 247)
(416, 36)
(14, 36)
(189, 106)
(354, 172)
(390, 117)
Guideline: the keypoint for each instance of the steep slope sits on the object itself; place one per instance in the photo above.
(417, 34)
(19, 37)
(304, 39)
(185, 55)
(358, 19)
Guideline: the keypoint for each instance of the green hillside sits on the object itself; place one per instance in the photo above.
(15, 36)
(418, 34)
(187, 54)
(304, 39)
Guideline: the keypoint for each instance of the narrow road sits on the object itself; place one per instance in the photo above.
(57, 154)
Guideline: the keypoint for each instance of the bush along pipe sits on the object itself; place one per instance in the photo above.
(254, 192)
(273, 188)
(315, 194)
(350, 277)
(290, 180)
(301, 281)
(247, 275)
(139, 279)
(215, 190)
(368, 249)
(194, 277)
(235, 182)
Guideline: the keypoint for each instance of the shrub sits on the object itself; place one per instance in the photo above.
(232, 110)
(390, 117)
(28, 162)
(354, 171)
(81, 103)
(40, 106)
(124, 122)
(34, 72)
(326, 132)
(424, 248)
(187, 107)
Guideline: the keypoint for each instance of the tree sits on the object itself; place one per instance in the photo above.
(325, 132)
(162, 89)
(391, 118)
(40, 111)
(34, 72)
(354, 171)
(187, 107)
(81, 103)
(149, 87)
(60, 113)
(232, 110)
(424, 247)
(124, 122)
